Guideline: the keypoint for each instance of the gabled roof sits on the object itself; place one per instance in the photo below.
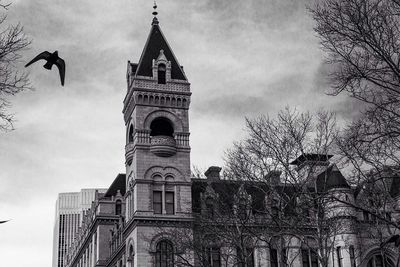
(117, 184)
(156, 42)
(331, 178)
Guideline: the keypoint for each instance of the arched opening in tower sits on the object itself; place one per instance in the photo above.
(161, 126)
(130, 134)
(161, 74)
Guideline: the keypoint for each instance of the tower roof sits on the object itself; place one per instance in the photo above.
(331, 178)
(155, 43)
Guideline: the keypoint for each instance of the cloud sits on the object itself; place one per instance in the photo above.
(243, 58)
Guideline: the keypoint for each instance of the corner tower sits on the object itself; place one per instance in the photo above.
(157, 152)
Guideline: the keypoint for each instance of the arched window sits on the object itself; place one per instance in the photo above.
(164, 254)
(161, 73)
(379, 261)
(161, 126)
(131, 255)
(118, 207)
(130, 134)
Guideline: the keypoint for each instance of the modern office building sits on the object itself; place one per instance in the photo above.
(70, 209)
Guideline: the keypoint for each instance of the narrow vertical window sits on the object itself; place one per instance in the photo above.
(161, 74)
(304, 257)
(284, 259)
(246, 260)
(157, 202)
(273, 253)
(164, 254)
(130, 134)
(169, 203)
(212, 257)
(314, 258)
(365, 216)
(118, 207)
(339, 256)
(210, 207)
(352, 256)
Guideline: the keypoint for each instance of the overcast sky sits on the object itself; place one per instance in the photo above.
(243, 58)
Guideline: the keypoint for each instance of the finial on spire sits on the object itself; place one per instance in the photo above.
(155, 13)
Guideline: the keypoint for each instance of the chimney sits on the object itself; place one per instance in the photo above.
(213, 173)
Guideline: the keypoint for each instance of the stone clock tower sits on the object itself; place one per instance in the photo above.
(157, 152)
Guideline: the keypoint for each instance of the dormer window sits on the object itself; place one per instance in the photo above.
(162, 72)
(118, 207)
(162, 68)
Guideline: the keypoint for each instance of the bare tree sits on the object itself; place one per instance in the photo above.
(12, 81)
(298, 201)
(361, 40)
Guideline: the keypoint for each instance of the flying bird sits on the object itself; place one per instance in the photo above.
(3, 221)
(52, 59)
(394, 239)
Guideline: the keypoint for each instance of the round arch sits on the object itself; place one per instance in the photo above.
(374, 251)
(176, 122)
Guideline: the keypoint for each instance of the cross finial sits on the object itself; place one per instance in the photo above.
(155, 13)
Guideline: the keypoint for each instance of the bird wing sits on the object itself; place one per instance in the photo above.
(44, 55)
(4, 221)
(60, 63)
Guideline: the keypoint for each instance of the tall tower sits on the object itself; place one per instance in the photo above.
(157, 151)
(70, 209)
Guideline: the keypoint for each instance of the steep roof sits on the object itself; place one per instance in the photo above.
(117, 184)
(331, 178)
(156, 42)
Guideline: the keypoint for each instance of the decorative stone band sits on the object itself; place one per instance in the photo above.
(161, 99)
(174, 85)
(163, 146)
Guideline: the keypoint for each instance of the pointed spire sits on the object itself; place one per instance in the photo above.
(155, 13)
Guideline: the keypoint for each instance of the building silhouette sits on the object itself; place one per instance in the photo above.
(70, 209)
(147, 214)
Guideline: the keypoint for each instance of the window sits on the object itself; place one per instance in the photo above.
(118, 207)
(339, 256)
(169, 203)
(157, 202)
(210, 207)
(212, 257)
(365, 216)
(245, 259)
(309, 258)
(352, 256)
(284, 259)
(130, 134)
(314, 258)
(378, 260)
(304, 257)
(131, 254)
(161, 126)
(275, 207)
(164, 254)
(273, 253)
(161, 74)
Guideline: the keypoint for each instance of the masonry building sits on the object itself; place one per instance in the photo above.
(136, 222)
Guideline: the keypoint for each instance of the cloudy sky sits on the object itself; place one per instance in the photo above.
(243, 58)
